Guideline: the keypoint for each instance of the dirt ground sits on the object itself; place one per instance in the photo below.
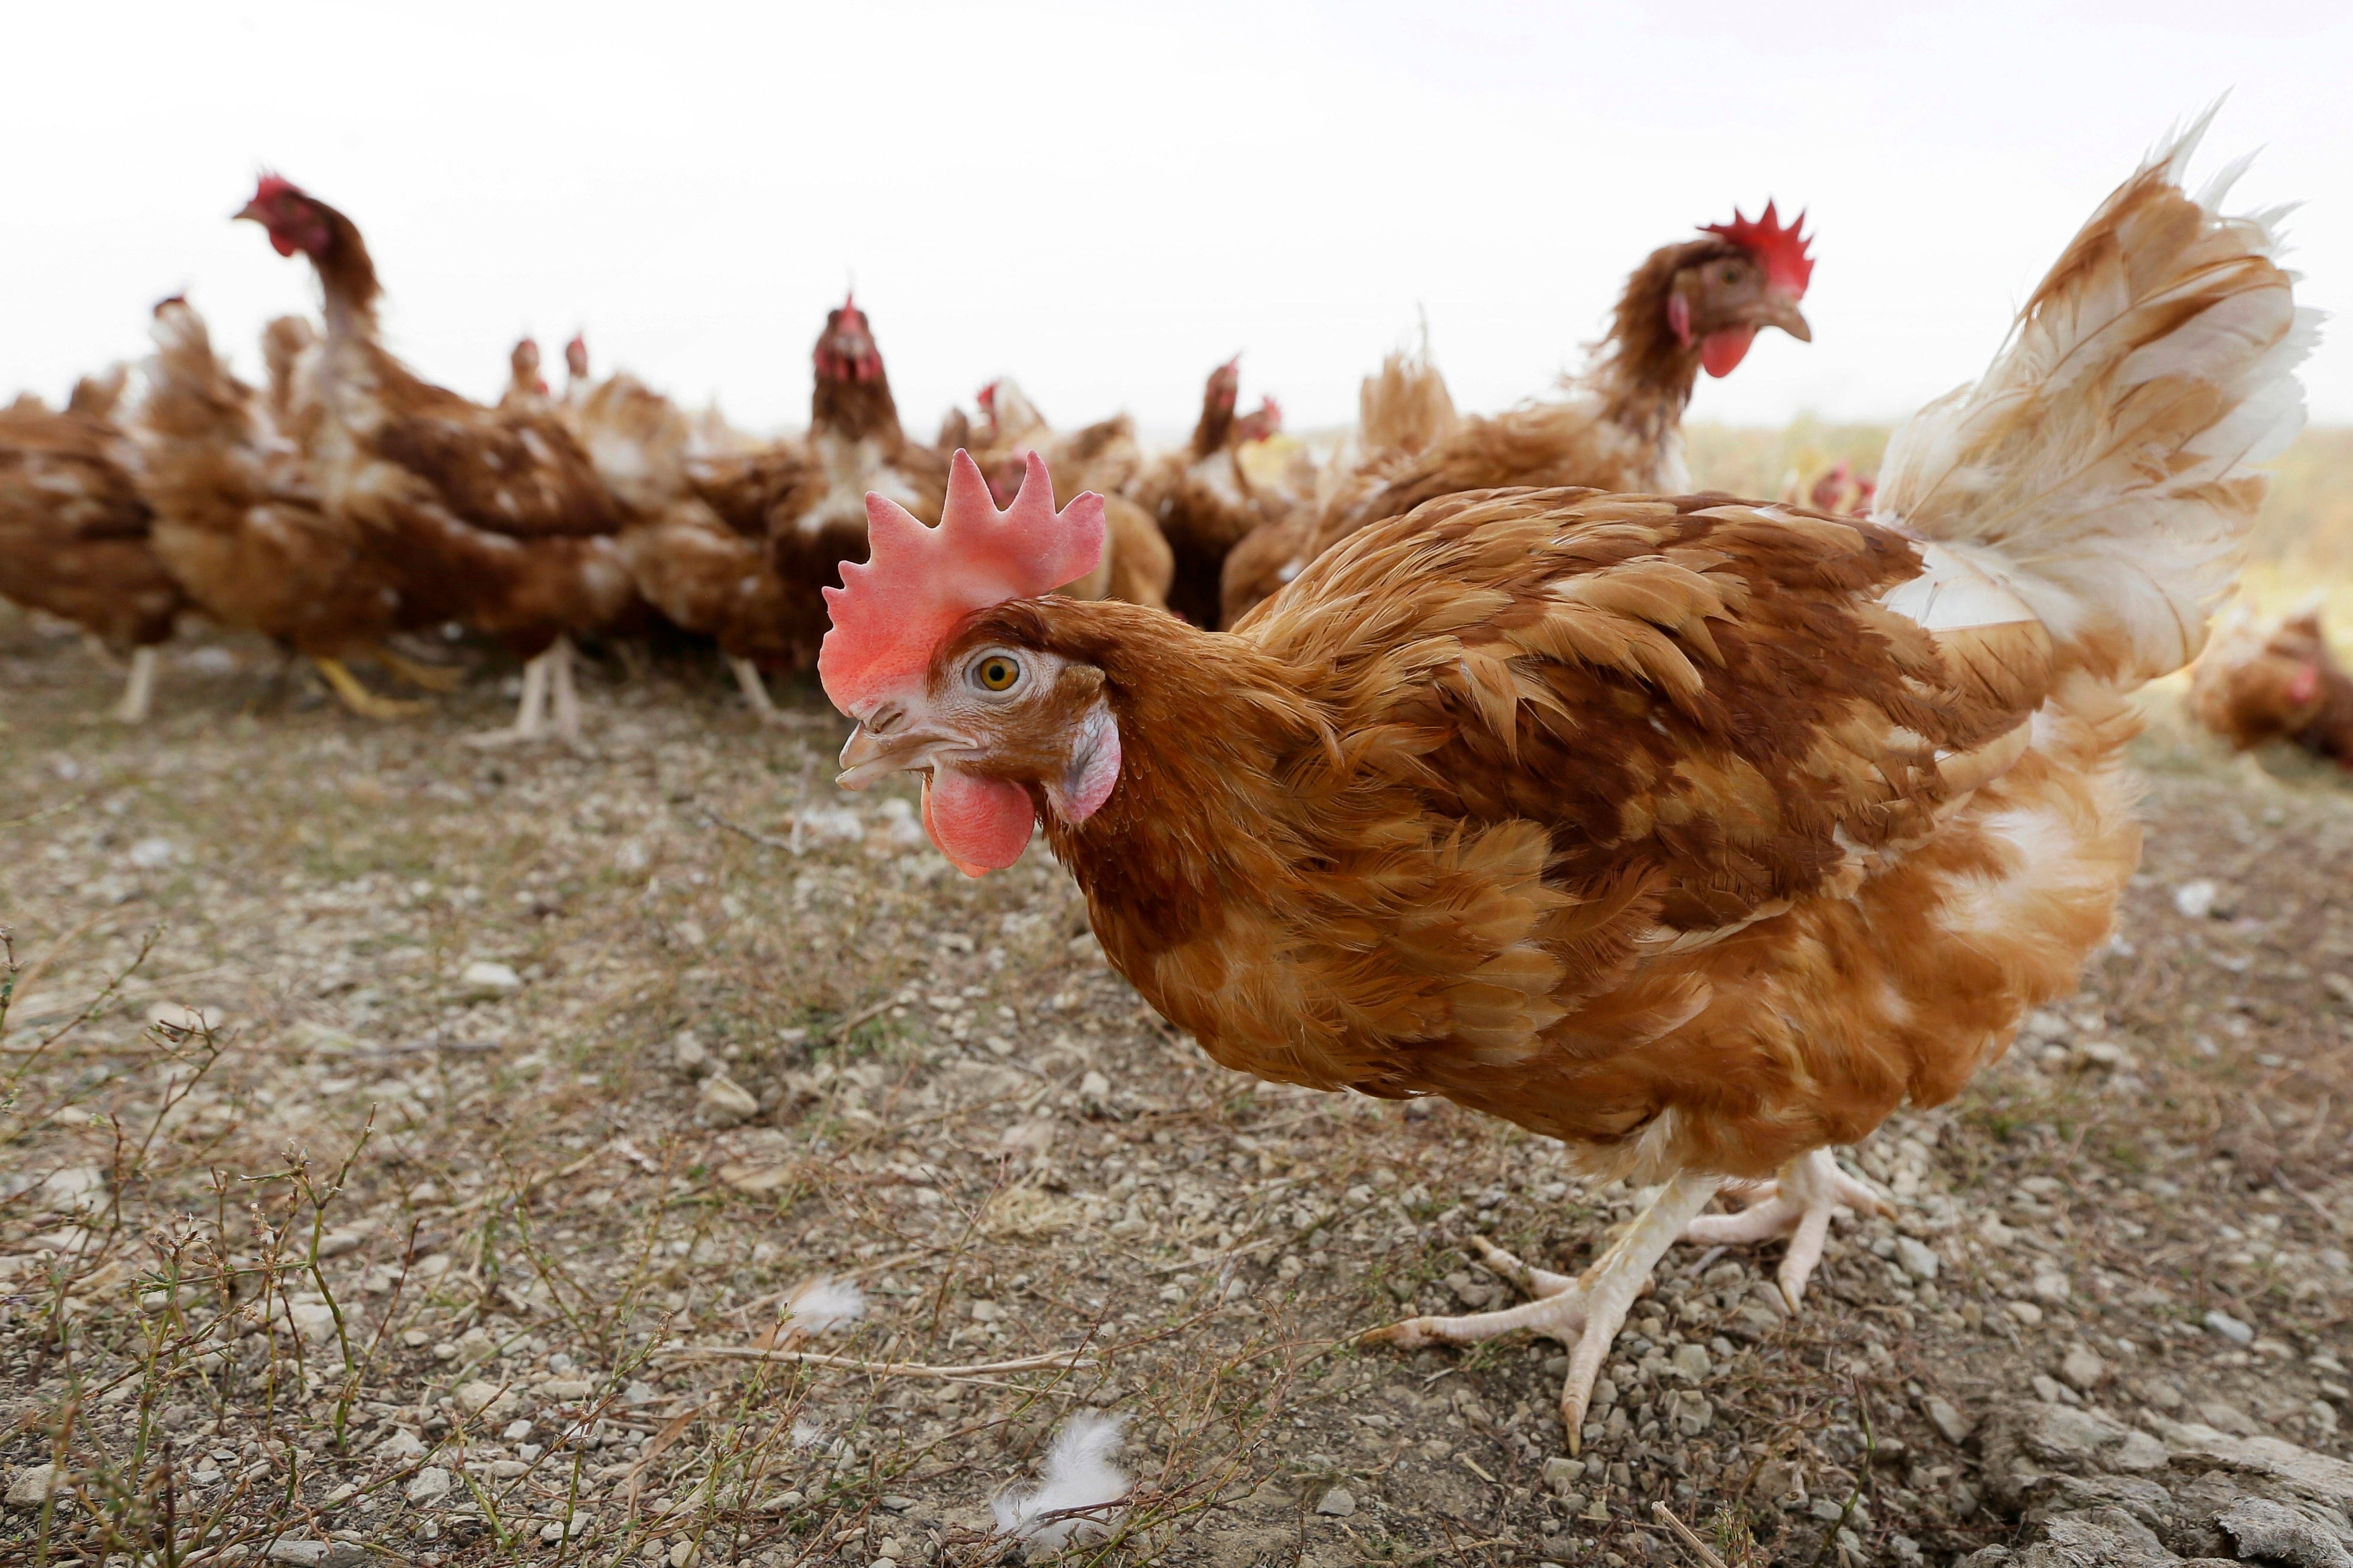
(412, 1148)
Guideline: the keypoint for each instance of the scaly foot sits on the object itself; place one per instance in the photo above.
(1584, 1312)
(358, 698)
(531, 713)
(440, 678)
(1800, 1205)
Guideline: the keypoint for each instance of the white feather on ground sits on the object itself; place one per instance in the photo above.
(823, 1303)
(1078, 1475)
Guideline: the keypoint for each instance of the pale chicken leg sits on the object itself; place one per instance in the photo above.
(1800, 1205)
(138, 690)
(531, 712)
(754, 690)
(1584, 1313)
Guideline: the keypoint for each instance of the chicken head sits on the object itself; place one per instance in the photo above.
(1752, 277)
(293, 220)
(845, 350)
(985, 720)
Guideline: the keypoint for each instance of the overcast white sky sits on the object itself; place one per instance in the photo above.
(1104, 200)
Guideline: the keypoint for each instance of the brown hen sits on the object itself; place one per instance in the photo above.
(76, 535)
(239, 525)
(492, 517)
(1698, 834)
(1203, 498)
(1689, 307)
(1136, 564)
(2257, 684)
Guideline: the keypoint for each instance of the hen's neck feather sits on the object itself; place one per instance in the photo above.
(1643, 375)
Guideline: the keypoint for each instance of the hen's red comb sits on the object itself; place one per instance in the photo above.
(273, 186)
(918, 582)
(1781, 250)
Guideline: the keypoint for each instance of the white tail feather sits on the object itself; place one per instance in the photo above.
(2102, 469)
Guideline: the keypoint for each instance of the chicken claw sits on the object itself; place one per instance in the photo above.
(416, 672)
(1584, 1313)
(1799, 1206)
(358, 698)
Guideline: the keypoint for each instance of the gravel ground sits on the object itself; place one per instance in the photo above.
(421, 1151)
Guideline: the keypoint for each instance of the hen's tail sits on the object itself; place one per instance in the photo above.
(1405, 407)
(191, 397)
(2102, 470)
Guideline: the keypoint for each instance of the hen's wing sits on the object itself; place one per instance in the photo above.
(1706, 704)
(520, 473)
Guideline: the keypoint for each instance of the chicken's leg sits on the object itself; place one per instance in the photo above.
(358, 698)
(756, 690)
(1584, 1313)
(416, 672)
(1800, 1205)
(566, 698)
(531, 713)
(139, 691)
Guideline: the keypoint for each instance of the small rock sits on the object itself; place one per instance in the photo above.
(724, 1102)
(688, 1055)
(2026, 1312)
(314, 1321)
(1692, 1361)
(428, 1484)
(2231, 1328)
(1560, 1476)
(1948, 1420)
(1916, 1258)
(402, 1444)
(478, 1396)
(309, 1553)
(1338, 1503)
(555, 1530)
(566, 1388)
(2227, 1418)
(2082, 1369)
(2272, 1532)
(2052, 1287)
(1094, 1088)
(31, 1486)
(150, 854)
(484, 980)
(76, 1189)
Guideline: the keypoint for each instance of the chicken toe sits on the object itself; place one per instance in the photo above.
(1800, 1205)
(358, 698)
(1584, 1313)
(416, 672)
(531, 712)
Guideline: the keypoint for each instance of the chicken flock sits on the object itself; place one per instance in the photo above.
(1478, 761)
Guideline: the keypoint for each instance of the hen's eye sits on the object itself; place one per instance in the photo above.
(997, 672)
(1732, 275)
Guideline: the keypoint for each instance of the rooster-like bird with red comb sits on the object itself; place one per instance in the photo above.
(1698, 834)
(1691, 306)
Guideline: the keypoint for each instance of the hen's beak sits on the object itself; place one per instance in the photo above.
(869, 757)
(249, 212)
(1778, 309)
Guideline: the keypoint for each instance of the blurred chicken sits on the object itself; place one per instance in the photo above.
(494, 518)
(1690, 307)
(854, 445)
(1834, 489)
(1699, 835)
(76, 535)
(239, 525)
(1137, 566)
(1203, 497)
(1403, 410)
(290, 353)
(2257, 683)
(706, 575)
(526, 388)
